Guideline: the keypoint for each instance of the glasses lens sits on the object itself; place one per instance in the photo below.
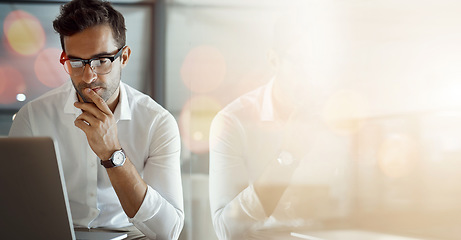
(102, 65)
(73, 67)
(75, 63)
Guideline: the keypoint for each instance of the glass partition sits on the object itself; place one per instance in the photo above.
(374, 151)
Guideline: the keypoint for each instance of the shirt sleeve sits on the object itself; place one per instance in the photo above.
(21, 126)
(161, 215)
(235, 206)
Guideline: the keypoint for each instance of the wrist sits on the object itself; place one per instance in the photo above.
(108, 154)
(108, 151)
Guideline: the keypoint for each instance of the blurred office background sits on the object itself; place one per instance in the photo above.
(388, 73)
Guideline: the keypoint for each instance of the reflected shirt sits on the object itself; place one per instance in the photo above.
(244, 137)
(150, 138)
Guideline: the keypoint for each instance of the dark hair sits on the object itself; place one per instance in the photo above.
(79, 15)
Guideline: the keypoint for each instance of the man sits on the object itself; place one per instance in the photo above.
(268, 172)
(120, 149)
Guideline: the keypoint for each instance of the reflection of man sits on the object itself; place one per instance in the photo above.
(259, 147)
(120, 149)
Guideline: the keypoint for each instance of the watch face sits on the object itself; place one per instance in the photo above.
(119, 158)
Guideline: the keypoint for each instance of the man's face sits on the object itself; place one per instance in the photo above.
(293, 73)
(95, 42)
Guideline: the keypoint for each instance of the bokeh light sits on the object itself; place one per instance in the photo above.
(21, 97)
(195, 121)
(48, 69)
(397, 155)
(342, 110)
(24, 32)
(203, 69)
(11, 84)
(7, 49)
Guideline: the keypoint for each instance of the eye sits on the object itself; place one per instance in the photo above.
(104, 61)
(75, 63)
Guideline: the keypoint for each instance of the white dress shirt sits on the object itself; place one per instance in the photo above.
(149, 135)
(245, 136)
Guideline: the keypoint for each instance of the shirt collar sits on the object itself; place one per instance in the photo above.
(267, 109)
(122, 111)
(71, 99)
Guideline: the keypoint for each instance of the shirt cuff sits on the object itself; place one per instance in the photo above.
(149, 207)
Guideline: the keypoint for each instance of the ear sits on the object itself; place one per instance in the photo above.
(62, 57)
(125, 56)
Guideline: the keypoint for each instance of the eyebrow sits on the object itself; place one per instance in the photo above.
(94, 56)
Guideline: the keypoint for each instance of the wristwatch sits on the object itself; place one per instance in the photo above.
(116, 160)
(285, 158)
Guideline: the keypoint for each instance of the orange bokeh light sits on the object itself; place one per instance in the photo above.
(11, 84)
(195, 121)
(24, 32)
(203, 69)
(48, 69)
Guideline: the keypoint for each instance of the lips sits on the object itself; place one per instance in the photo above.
(96, 89)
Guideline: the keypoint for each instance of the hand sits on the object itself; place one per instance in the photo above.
(99, 125)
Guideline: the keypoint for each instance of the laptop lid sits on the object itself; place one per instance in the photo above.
(34, 200)
(34, 203)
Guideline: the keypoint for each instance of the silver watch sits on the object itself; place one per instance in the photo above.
(116, 160)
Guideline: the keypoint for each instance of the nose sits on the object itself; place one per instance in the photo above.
(89, 75)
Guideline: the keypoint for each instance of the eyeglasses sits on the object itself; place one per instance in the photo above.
(100, 65)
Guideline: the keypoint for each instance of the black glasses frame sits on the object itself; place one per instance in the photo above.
(88, 61)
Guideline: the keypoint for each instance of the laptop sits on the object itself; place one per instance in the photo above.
(33, 202)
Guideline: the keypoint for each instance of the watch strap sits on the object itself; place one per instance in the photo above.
(108, 163)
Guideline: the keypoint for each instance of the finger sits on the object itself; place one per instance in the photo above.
(89, 118)
(82, 125)
(100, 103)
(91, 108)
